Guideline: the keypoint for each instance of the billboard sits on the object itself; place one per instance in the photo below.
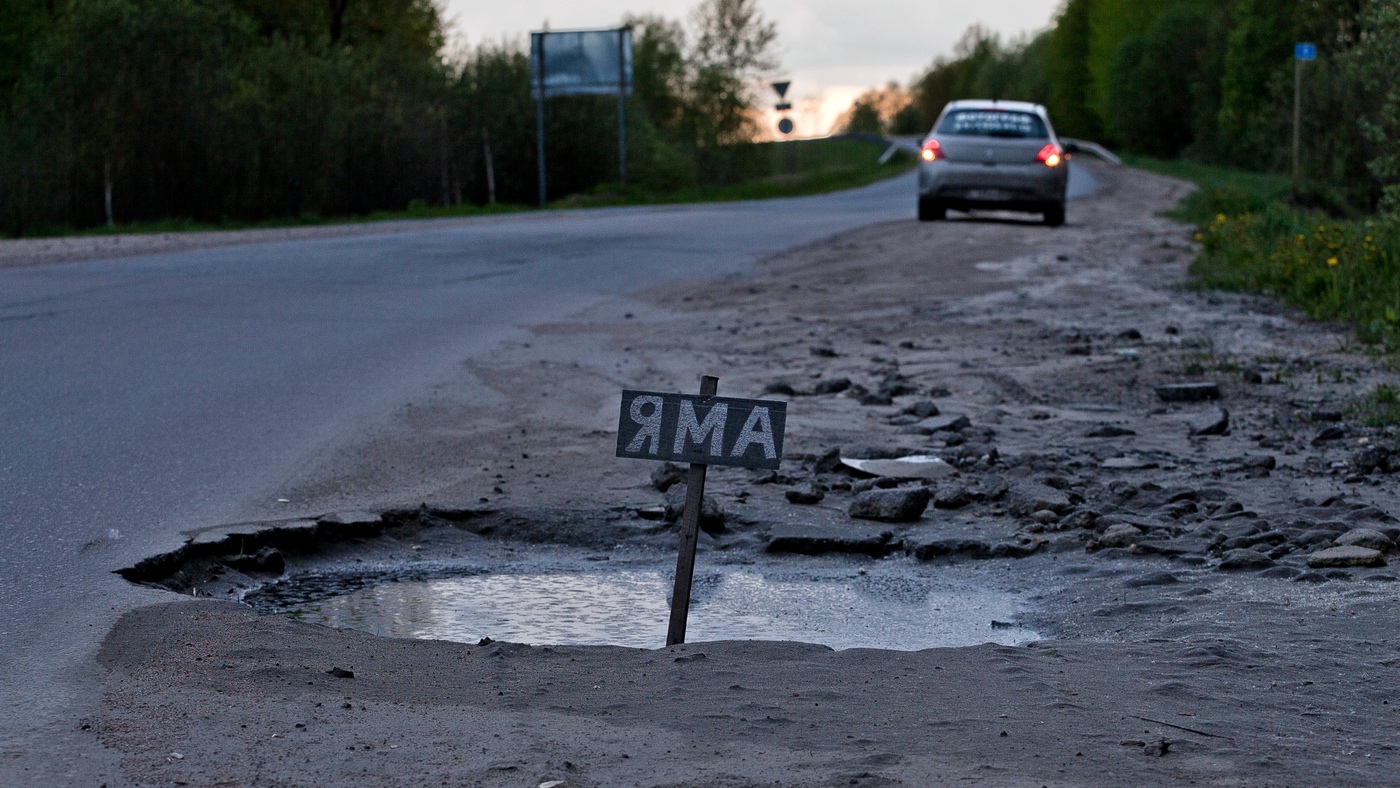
(581, 63)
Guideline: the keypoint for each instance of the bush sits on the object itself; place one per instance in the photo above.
(1334, 270)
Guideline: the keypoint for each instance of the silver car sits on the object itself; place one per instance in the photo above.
(993, 154)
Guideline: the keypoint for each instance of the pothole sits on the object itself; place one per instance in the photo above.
(550, 579)
(887, 605)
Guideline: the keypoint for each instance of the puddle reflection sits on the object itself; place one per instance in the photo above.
(630, 607)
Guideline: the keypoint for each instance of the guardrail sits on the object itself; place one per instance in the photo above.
(1093, 148)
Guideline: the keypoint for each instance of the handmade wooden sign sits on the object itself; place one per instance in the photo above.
(706, 430)
(703, 430)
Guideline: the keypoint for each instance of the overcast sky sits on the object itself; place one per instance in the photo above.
(831, 49)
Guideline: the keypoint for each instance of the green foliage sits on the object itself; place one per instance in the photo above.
(1376, 62)
(1156, 80)
(766, 170)
(1334, 270)
(982, 67)
(228, 112)
(22, 23)
(659, 69)
(1378, 408)
(1071, 83)
(733, 48)
(1112, 23)
(864, 118)
(1222, 189)
(876, 111)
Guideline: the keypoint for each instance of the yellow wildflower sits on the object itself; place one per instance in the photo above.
(1220, 218)
(1200, 237)
(1331, 261)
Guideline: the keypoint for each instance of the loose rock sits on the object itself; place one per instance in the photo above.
(896, 506)
(1119, 535)
(1347, 555)
(832, 386)
(822, 539)
(267, 560)
(1127, 464)
(952, 498)
(1188, 392)
(806, 493)
(780, 387)
(1219, 424)
(829, 461)
(1109, 431)
(667, 474)
(1027, 498)
(711, 514)
(1245, 558)
(1151, 579)
(1374, 458)
(922, 409)
(1366, 537)
(1330, 434)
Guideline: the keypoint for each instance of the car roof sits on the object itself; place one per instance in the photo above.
(1020, 106)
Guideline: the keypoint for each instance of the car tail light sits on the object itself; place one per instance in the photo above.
(1051, 155)
(932, 151)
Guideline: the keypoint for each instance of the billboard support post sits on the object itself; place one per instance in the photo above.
(581, 63)
(622, 105)
(539, 108)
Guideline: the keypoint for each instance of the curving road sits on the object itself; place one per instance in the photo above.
(149, 395)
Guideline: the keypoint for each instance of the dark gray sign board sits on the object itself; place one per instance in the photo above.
(703, 430)
(747, 433)
(581, 63)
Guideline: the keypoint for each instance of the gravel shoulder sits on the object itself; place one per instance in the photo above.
(1192, 632)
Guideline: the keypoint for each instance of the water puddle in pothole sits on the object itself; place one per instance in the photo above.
(886, 606)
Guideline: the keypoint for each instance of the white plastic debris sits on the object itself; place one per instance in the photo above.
(917, 466)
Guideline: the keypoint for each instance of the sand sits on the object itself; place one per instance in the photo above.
(1161, 664)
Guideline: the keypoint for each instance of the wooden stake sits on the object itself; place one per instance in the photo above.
(690, 535)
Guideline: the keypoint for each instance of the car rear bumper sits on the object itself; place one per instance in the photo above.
(976, 185)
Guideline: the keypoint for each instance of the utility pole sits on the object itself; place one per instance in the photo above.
(1301, 52)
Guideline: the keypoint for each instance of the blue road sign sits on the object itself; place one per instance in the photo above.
(1305, 51)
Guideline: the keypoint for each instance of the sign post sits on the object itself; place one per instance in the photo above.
(581, 63)
(705, 430)
(1301, 54)
(783, 105)
(690, 535)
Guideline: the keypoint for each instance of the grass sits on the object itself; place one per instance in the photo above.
(178, 225)
(1379, 408)
(1253, 241)
(788, 169)
(1222, 189)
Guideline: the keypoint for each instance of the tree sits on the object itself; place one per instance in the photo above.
(1071, 84)
(658, 68)
(1151, 85)
(1260, 47)
(874, 111)
(22, 23)
(733, 50)
(1376, 61)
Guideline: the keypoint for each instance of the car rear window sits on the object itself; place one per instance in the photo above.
(992, 123)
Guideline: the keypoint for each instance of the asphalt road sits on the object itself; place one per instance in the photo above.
(146, 396)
